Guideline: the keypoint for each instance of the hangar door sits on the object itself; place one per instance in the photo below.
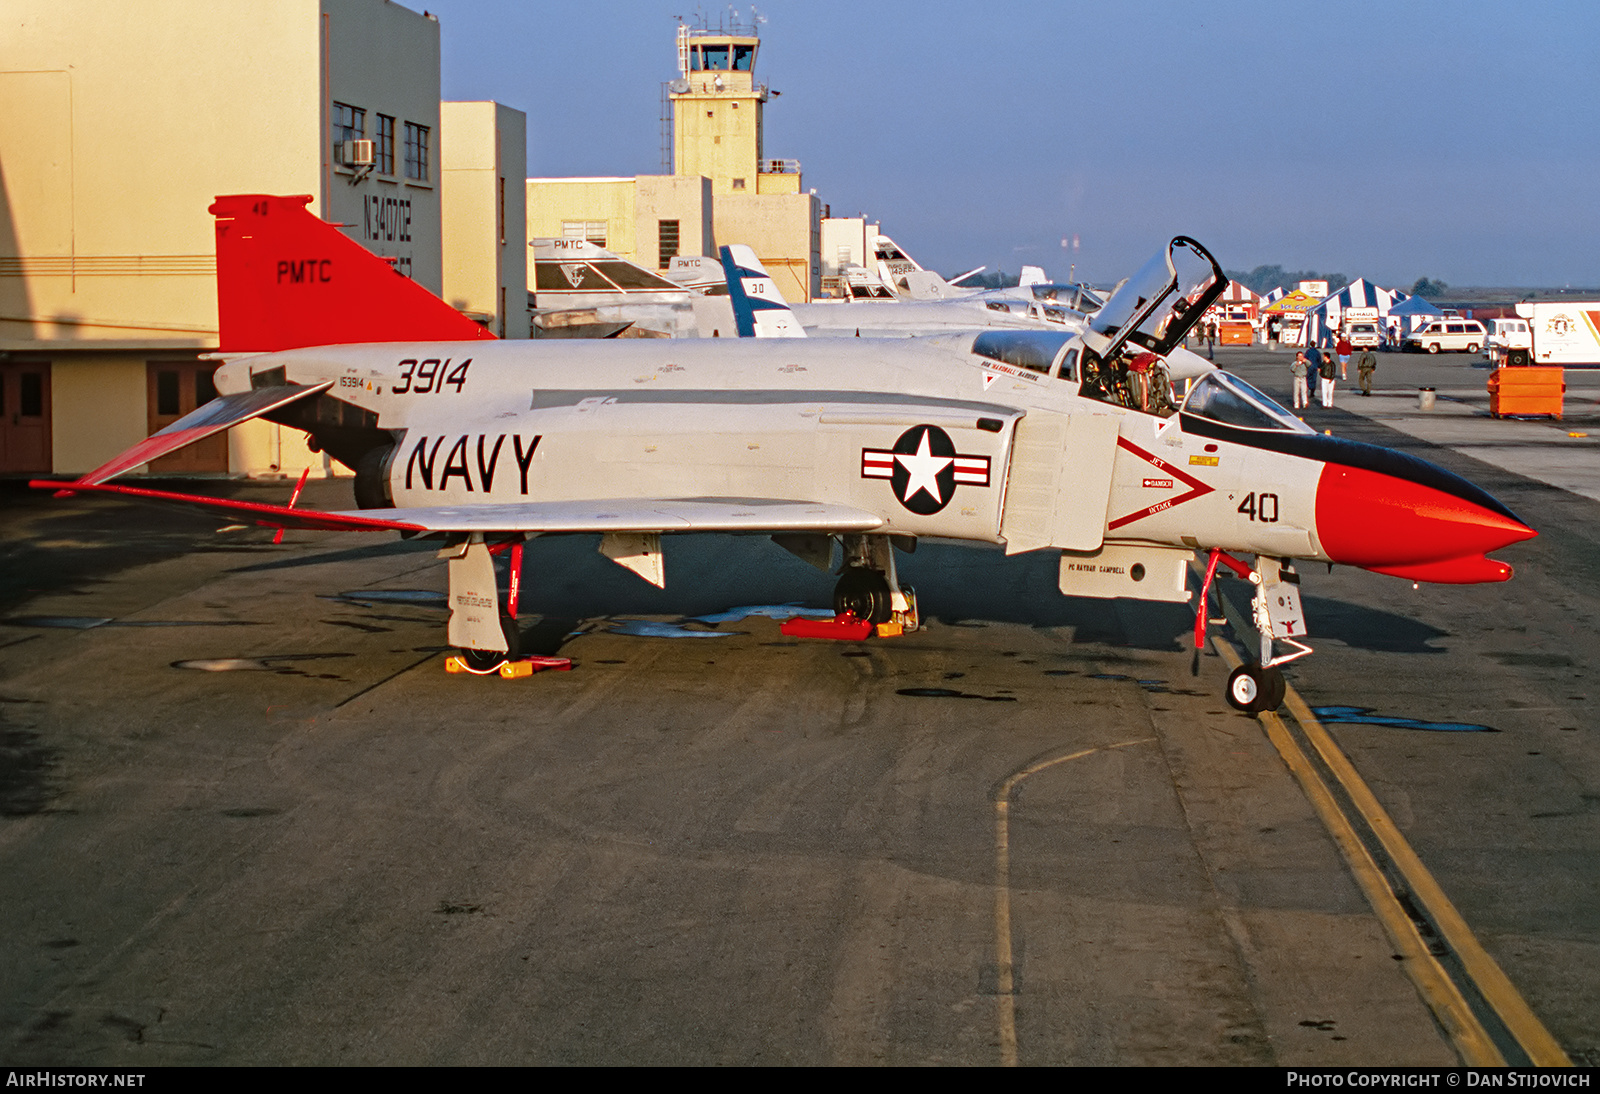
(25, 416)
(176, 388)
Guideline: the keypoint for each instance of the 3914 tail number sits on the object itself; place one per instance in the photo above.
(421, 377)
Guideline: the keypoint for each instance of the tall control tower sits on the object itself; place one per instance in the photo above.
(717, 109)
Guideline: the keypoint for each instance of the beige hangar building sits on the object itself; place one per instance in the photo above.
(124, 122)
(723, 188)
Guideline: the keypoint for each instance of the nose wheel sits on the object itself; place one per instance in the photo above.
(1256, 688)
(1277, 616)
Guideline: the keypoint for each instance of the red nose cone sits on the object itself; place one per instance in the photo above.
(1395, 526)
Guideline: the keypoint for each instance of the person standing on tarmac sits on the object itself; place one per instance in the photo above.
(1344, 347)
(1329, 373)
(1366, 364)
(1300, 368)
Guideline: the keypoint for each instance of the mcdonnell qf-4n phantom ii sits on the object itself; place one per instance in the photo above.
(1076, 443)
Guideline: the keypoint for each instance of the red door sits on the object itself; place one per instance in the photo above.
(25, 416)
(176, 388)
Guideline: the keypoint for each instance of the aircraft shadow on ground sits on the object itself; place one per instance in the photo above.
(565, 577)
(1366, 628)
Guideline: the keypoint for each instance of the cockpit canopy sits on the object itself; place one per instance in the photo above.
(1226, 399)
(1157, 306)
(1080, 298)
(1034, 350)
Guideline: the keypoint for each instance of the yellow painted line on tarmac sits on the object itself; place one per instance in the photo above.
(1005, 969)
(1492, 983)
(1433, 982)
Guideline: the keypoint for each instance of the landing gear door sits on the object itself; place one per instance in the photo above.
(1059, 482)
(1280, 596)
(474, 599)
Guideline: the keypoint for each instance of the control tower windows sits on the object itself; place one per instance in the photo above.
(722, 57)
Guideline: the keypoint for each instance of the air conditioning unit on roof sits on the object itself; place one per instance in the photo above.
(356, 153)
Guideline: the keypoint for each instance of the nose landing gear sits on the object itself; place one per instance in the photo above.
(1277, 617)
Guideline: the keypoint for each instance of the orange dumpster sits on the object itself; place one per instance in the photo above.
(1234, 332)
(1530, 389)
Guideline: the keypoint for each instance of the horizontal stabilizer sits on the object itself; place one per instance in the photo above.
(214, 417)
(927, 285)
(267, 516)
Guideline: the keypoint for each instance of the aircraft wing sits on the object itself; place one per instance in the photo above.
(538, 517)
(217, 415)
(639, 515)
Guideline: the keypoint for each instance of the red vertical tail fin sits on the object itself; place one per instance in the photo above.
(286, 279)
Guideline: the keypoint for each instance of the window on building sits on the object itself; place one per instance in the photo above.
(500, 215)
(417, 151)
(31, 395)
(738, 184)
(667, 239)
(168, 401)
(349, 124)
(205, 387)
(383, 144)
(592, 231)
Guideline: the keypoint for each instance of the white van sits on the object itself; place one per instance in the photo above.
(1448, 335)
(1364, 334)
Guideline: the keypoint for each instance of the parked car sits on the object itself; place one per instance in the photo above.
(1449, 335)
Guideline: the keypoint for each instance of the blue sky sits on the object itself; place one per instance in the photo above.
(1459, 141)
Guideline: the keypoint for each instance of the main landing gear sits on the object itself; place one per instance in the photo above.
(486, 635)
(869, 588)
(1277, 616)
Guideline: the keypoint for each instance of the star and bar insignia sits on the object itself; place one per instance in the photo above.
(924, 468)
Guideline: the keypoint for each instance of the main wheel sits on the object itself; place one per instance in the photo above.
(489, 660)
(1254, 689)
(864, 594)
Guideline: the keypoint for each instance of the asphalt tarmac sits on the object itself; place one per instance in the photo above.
(246, 816)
